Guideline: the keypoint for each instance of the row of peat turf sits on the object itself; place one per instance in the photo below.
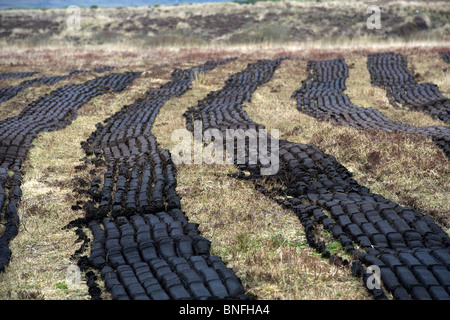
(144, 246)
(16, 75)
(390, 71)
(321, 96)
(7, 93)
(50, 112)
(409, 248)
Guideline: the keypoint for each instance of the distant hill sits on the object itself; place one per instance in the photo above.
(89, 3)
(225, 23)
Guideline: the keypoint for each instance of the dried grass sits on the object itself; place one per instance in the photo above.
(262, 242)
